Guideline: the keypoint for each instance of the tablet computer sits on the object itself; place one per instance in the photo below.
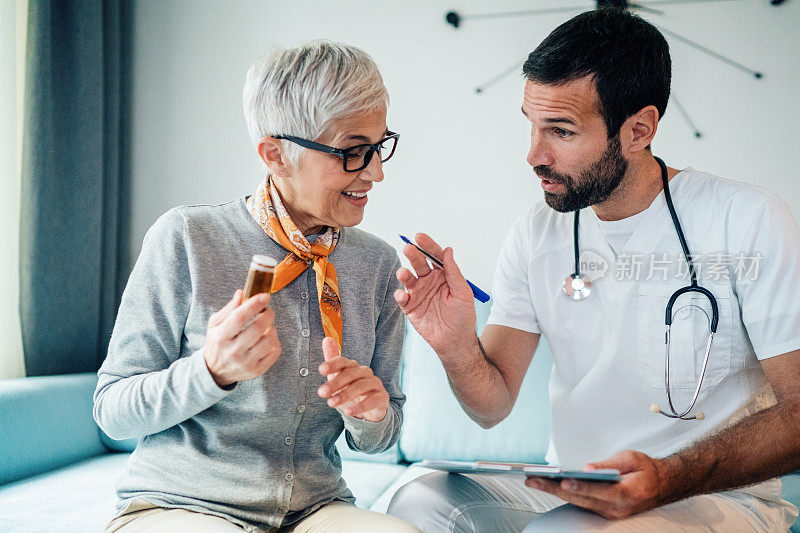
(606, 475)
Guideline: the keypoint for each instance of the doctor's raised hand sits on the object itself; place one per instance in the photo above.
(438, 302)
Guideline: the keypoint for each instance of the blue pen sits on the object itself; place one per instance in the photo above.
(479, 294)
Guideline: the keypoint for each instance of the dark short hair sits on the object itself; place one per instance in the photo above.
(626, 55)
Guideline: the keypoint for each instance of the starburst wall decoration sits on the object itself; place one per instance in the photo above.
(456, 20)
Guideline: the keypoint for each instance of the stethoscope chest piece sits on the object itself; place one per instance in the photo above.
(577, 287)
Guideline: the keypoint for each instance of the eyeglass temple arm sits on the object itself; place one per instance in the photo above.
(311, 144)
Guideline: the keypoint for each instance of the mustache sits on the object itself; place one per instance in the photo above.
(550, 175)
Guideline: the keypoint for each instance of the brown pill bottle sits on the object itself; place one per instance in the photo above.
(259, 276)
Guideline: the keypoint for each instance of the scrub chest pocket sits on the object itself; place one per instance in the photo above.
(688, 337)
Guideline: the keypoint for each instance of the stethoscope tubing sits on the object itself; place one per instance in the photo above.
(577, 279)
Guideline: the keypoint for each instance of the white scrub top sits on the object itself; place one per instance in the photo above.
(608, 350)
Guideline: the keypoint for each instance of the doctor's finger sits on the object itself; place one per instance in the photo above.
(429, 245)
(555, 488)
(455, 279)
(401, 297)
(417, 260)
(591, 489)
(407, 278)
(624, 461)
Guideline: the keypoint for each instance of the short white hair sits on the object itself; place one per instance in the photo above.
(299, 91)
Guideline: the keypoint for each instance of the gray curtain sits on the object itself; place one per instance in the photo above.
(72, 227)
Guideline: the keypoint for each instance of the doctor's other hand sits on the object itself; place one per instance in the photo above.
(437, 302)
(234, 352)
(640, 489)
(351, 388)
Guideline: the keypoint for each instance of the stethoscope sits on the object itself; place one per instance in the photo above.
(579, 287)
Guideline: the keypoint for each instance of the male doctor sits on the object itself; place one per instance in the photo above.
(596, 89)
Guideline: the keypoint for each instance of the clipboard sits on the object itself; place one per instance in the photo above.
(605, 475)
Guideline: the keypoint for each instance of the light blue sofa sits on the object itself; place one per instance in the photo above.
(57, 470)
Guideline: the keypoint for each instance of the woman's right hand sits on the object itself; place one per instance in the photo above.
(437, 302)
(234, 354)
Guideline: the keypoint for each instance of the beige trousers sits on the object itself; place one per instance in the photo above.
(335, 517)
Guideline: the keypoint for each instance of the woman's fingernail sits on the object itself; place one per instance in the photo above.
(570, 484)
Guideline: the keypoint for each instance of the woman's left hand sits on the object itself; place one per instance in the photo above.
(351, 388)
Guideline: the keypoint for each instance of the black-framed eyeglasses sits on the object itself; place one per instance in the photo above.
(354, 158)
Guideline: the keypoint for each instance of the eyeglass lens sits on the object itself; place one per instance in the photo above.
(360, 158)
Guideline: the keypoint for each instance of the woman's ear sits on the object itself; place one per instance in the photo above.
(639, 129)
(270, 150)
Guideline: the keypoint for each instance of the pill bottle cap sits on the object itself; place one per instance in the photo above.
(263, 262)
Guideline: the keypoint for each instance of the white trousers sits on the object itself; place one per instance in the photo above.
(448, 503)
(336, 517)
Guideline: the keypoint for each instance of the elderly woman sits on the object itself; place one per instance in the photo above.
(237, 404)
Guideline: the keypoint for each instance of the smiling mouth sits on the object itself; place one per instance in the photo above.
(354, 195)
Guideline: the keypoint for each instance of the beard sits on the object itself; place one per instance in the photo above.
(591, 186)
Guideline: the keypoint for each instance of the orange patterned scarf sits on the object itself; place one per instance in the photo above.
(267, 209)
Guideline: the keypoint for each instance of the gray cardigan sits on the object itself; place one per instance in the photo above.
(261, 454)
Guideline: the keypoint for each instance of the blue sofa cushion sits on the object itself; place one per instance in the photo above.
(437, 428)
(368, 480)
(81, 497)
(45, 423)
(77, 498)
(791, 493)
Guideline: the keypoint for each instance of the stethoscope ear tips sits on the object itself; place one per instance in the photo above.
(654, 408)
(700, 415)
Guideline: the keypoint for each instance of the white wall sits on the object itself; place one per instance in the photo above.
(460, 171)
